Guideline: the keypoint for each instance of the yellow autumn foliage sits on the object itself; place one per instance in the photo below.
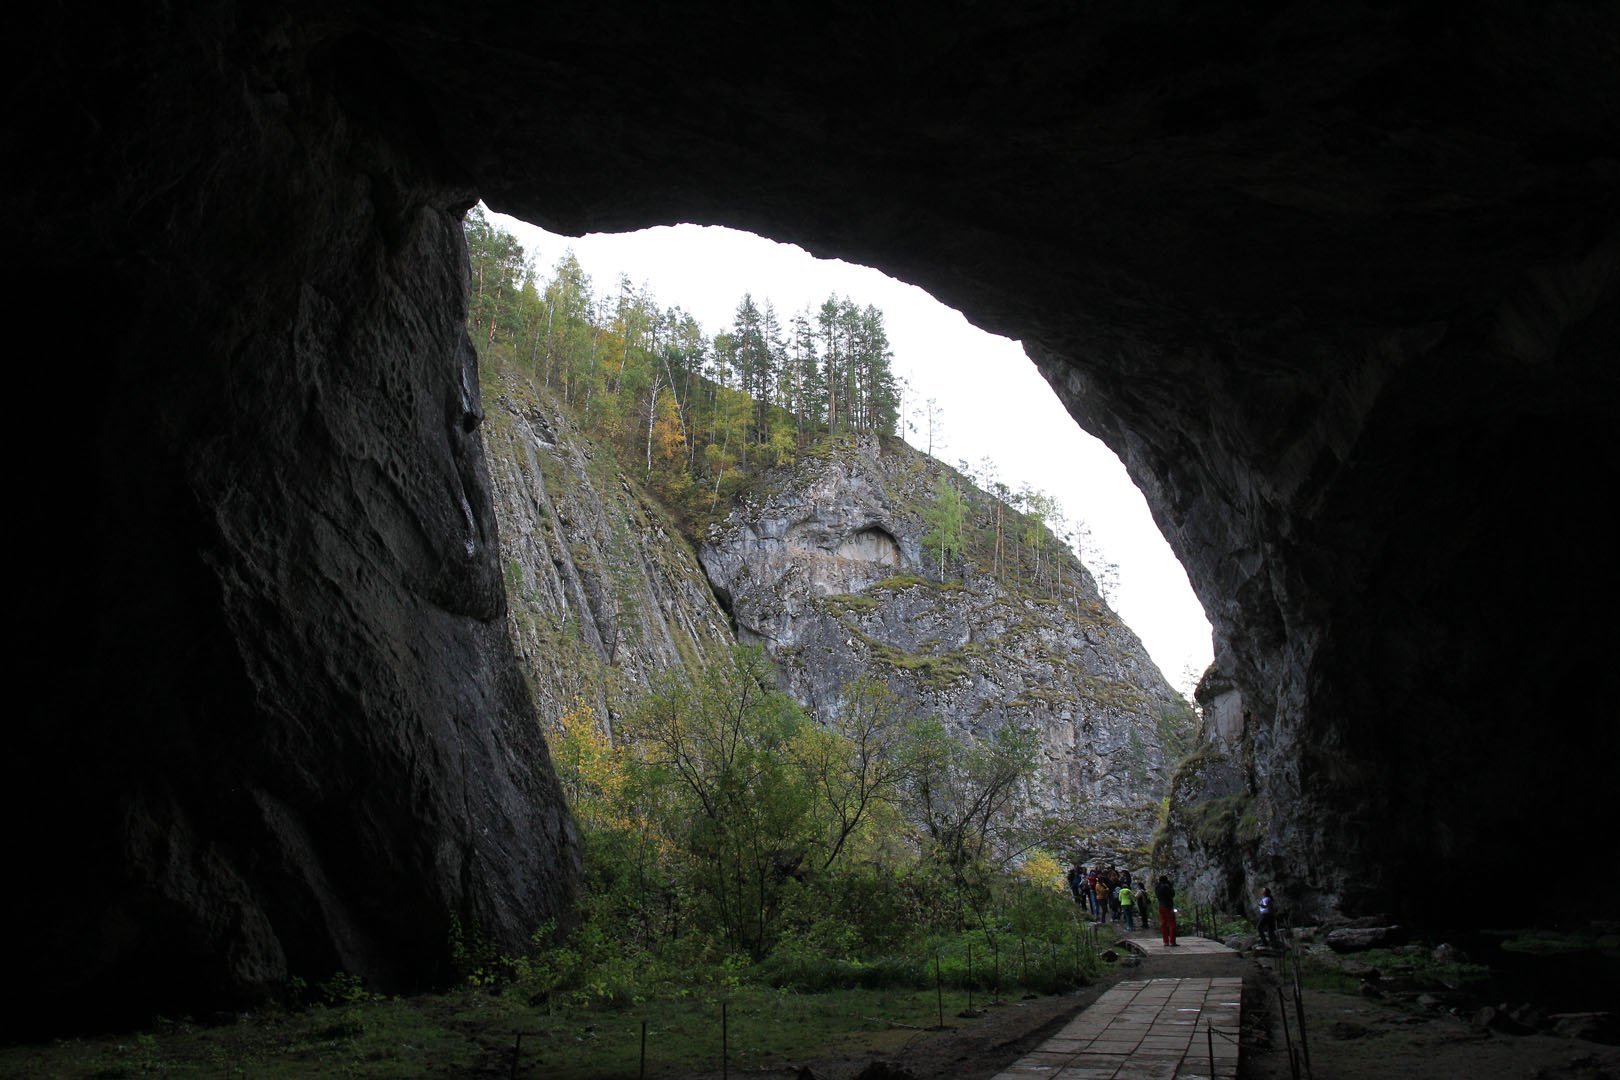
(1041, 869)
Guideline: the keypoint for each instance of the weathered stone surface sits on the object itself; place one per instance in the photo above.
(275, 724)
(824, 565)
(1339, 282)
(1352, 939)
(1591, 1026)
(603, 592)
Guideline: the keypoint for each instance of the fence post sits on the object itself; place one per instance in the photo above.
(970, 977)
(1299, 1013)
(1288, 1039)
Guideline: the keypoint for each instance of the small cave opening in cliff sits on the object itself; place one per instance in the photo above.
(872, 544)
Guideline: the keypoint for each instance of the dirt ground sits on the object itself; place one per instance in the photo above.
(1349, 1037)
(1352, 1037)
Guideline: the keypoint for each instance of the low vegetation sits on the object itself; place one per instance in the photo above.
(821, 887)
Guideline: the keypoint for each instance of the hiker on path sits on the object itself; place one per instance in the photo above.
(1165, 893)
(1077, 882)
(1127, 905)
(1268, 919)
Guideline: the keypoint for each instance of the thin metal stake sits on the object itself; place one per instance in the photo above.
(517, 1048)
(1288, 1038)
(970, 979)
(939, 992)
(725, 1050)
(1209, 1033)
(641, 1071)
(1299, 1012)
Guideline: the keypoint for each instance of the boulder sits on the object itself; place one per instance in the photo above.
(1360, 939)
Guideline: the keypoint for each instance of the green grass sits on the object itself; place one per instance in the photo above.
(475, 1032)
(1329, 971)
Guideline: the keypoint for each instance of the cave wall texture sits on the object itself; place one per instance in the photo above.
(1339, 282)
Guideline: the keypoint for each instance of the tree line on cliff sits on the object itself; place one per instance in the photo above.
(699, 413)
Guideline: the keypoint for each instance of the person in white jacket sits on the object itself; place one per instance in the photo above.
(1268, 919)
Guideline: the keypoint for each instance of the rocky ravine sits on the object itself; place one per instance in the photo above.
(824, 565)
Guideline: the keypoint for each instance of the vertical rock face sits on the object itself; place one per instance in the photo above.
(603, 593)
(275, 726)
(824, 565)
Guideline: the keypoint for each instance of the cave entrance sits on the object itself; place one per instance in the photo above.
(968, 397)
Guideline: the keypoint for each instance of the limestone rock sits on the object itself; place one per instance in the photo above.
(824, 565)
(1360, 939)
(603, 592)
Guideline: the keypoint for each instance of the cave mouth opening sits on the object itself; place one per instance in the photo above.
(970, 398)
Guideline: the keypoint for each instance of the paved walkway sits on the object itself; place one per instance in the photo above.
(1147, 1029)
(1150, 944)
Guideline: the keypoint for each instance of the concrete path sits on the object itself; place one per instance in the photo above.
(1148, 1029)
(1151, 945)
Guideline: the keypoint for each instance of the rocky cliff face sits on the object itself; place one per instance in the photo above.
(823, 563)
(602, 591)
(274, 724)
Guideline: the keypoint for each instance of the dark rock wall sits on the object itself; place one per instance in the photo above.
(1337, 281)
(273, 720)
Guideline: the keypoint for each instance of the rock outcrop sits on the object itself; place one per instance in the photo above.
(823, 564)
(603, 592)
(274, 725)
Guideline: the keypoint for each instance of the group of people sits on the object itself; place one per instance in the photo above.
(1109, 895)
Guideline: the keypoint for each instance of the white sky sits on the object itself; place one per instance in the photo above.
(993, 402)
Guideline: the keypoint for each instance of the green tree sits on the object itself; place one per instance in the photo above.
(944, 516)
(720, 739)
(968, 797)
(854, 765)
(496, 268)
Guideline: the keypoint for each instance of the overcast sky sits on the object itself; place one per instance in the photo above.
(993, 402)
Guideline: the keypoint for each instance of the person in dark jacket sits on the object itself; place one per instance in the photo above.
(1077, 884)
(1165, 893)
